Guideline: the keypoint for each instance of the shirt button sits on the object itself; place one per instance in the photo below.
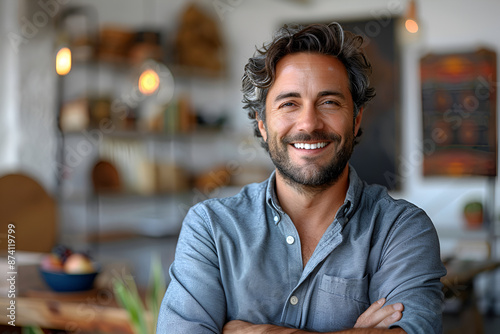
(294, 300)
(290, 240)
(276, 218)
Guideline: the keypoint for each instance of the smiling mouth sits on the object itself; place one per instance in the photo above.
(309, 146)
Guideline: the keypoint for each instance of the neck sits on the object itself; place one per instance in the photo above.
(312, 205)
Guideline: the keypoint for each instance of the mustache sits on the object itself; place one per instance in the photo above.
(313, 136)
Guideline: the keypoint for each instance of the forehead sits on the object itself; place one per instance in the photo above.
(296, 68)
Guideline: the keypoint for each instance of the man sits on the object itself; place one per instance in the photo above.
(312, 247)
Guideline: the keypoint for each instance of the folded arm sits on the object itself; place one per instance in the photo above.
(376, 319)
(409, 272)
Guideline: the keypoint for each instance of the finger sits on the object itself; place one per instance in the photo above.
(378, 317)
(374, 307)
(363, 319)
(393, 314)
(394, 317)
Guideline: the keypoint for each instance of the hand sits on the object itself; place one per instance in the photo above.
(377, 316)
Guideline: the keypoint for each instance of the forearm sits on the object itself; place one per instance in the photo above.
(282, 330)
(241, 327)
(376, 319)
(372, 331)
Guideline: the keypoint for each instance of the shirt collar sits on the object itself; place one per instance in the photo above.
(354, 192)
(346, 210)
(271, 197)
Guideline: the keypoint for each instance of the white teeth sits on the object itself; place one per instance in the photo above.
(309, 146)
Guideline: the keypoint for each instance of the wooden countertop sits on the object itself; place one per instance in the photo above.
(90, 311)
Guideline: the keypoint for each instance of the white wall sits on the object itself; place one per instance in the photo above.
(27, 90)
(9, 94)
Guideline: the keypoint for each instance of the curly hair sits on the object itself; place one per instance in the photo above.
(328, 39)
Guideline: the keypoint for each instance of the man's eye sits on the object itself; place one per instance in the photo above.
(331, 102)
(287, 104)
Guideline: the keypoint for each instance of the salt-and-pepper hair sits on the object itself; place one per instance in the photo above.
(328, 39)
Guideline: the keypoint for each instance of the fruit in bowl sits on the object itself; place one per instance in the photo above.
(51, 262)
(78, 263)
(68, 271)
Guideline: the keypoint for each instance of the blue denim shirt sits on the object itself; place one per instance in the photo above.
(240, 258)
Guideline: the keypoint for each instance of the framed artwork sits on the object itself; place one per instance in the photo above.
(459, 113)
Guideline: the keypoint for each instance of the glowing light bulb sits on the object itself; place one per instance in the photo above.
(411, 26)
(63, 61)
(149, 81)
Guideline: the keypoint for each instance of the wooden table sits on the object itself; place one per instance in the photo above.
(458, 284)
(461, 272)
(90, 311)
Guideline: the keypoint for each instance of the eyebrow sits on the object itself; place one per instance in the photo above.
(333, 93)
(286, 95)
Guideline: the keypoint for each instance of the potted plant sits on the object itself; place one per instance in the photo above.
(473, 214)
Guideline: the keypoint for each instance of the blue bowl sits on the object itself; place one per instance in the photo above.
(62, 282)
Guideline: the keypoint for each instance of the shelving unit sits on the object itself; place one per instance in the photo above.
(103, 89)
(103, 116)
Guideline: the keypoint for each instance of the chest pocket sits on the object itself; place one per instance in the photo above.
(339, 302)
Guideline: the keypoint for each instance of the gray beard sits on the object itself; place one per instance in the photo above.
(311, 179)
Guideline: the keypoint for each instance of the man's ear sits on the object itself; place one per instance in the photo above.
(357, 121)
(262, 127)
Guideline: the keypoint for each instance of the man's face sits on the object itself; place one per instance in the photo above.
(310, 126)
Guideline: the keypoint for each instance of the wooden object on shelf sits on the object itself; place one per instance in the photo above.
(147, 45)
(105, 177)
(25, 204)
(99, 111)
(115, 44)
(171, 178)
(144, 182)
(178, 116)
(186, 116)
(198, 42)
(74, 116)
(213, 179)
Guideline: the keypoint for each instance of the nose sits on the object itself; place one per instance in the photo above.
(309, 119)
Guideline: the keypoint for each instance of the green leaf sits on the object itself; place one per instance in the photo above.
(157, 288)
(128, 297)
(32, 330)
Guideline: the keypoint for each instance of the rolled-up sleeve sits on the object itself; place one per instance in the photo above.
(409, 272)
(195, 300)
